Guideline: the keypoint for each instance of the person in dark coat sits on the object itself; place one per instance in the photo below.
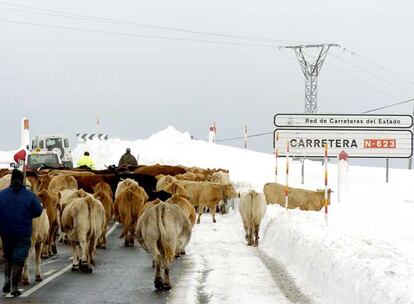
(127, 159)
(18, 206)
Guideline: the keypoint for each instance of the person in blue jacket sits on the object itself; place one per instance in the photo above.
(18, 206)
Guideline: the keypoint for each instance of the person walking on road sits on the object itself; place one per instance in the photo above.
(127, 159)
(18, 206)
(86, 161)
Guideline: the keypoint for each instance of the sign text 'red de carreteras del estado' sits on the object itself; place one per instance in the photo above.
(361, 136)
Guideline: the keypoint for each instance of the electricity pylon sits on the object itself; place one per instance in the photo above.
(311, 71)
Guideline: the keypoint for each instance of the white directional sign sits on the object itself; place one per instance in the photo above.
(332, 121)
(356, 142)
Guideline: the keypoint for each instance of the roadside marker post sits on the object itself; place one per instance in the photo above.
(245, 137)
(276, 154)
(287, 176)
(326, 179)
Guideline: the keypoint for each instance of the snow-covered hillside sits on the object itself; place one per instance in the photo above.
(363, 252)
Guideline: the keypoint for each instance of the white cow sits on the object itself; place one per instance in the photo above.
(252, 209)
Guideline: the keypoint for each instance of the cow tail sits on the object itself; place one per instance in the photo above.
(127, 212)
(92, 230)
(166, 248)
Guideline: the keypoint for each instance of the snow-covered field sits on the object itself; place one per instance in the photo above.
(363, 252)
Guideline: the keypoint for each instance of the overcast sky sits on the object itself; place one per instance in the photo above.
(64, 79)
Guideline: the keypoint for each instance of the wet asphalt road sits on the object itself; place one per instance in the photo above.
(122, 275)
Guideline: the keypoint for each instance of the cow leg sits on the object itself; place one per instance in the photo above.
(85, 256)
(52, 240)
(167, 279)
(256, 235)
(103, 245)
(25, 273)
(249, 236)
(38, 252)
(131, 237)
(158, 283)
(200, 211)
(246, 233)
(45, 249)
(75, 261)
(213, 214)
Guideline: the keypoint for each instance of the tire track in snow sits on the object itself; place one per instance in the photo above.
(283, 279)
(201, 295)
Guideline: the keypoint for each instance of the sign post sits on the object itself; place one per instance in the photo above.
(342, 172)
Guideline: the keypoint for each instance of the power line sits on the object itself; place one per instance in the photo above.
(371, 73)
(379, 66)
(63, 14)
(362, 81)
(389, 106)
(242, 137)
(136, 35)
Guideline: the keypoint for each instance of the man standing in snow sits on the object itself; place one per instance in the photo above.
(86, 161)
(127, 159)
(18, 206)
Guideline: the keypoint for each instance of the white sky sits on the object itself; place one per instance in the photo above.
(62, 80)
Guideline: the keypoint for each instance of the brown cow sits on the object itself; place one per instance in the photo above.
(297, 198)
(185, 206)
(65, 198)
(49, 201)
(107, 203)
(127, 210)
(4, 172)
(40, 230)
(83, 220)
(163, 231)
(62, 182)
(105, 187)
(150, 204)
(124, 184)
(157, 169)
(200, 194)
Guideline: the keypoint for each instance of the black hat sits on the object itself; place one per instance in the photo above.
(86, 153)
(16, 181)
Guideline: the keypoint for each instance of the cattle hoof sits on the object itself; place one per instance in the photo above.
(45, 256)
(166, 287)
(25, 282)
(103, 247)
(158, 284)
(54, 250)
(182, 252)
(214, 221)
(38, 278)
(75, 268)
(89, 270)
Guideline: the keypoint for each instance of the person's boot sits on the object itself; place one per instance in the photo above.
(15, 279)
(7, 275)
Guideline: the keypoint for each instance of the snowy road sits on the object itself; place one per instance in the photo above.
(220, 268)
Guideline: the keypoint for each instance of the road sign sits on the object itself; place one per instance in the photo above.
(334, 121)
(375, 143)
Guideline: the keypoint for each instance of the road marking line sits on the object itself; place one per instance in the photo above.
(43, 283)
(49, 272)
(112, 229)
(57, 274)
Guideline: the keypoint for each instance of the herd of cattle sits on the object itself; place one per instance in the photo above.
(157, 205)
